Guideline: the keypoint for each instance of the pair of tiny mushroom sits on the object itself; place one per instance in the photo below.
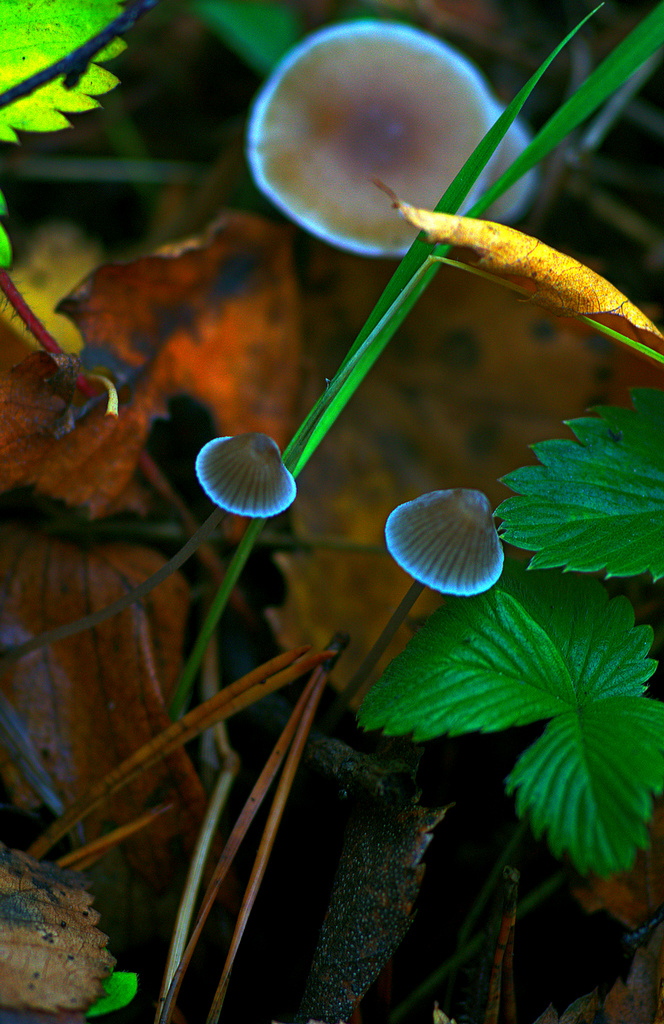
(445, 540)
(369, 100)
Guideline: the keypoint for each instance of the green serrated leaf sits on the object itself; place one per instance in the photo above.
(534, 646)
(120, 988)
(36, 36)
(603, 651)
(539, 645)
(588, 781)
(598, 504)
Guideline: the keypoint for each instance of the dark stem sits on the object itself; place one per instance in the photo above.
(75, 63)
(37, 328)
(13, 654)
(344, 699)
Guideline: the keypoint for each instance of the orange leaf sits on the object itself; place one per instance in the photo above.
(91, 700)
(215, 318)
(557, 282)
(52, 956)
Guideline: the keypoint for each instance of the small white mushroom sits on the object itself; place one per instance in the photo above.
(365, 100)
(447, 540)
(245, 474)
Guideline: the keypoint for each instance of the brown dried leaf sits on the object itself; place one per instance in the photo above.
(548, 1017)
(52, 957)
(557, 282)
(91, 700)
(214, 317)
(582, 1011)
(634, 1001)
(34, 412)
(371, 906)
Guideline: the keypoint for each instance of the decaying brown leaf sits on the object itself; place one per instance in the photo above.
(581, 1011)
(52, 957)
(634, 1001)
(557, 282)
(371, 907)
(35, 397)
(92, 699)
(214, 317)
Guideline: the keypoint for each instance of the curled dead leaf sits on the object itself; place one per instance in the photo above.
(555, 281)
(215, 317)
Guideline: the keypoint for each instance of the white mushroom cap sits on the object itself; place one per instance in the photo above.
(245, 474)
(447, 540)
(359, 101)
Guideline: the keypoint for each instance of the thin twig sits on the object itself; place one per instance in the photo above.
(209, 825)
(167, 1004)
(166, 1009)
(84, 856)
(264, 679)
(504, 945)
(37, 328)
(14, 654)
(314, 693)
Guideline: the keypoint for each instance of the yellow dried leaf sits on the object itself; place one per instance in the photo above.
(555, 281)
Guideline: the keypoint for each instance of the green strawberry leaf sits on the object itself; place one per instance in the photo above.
(588, 781)
(120, 989)
(36, 36)
(543, 645)
(535, 645)
(598, 504)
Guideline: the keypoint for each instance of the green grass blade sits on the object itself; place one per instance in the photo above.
(407, 284)
(615, 69)
(416, 269)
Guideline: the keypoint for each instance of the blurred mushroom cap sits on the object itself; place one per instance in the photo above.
(447, 540)
(365, 100)
(245, 474)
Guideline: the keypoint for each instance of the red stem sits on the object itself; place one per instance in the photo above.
(37, 328)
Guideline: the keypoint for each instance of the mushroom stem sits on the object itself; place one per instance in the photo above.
(342, 703)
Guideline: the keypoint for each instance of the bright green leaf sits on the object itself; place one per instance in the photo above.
(534, 646)
(588, 781)
(598, 504)
(36, 36)
(478, 663)
(121, 987)
(605, 654)
(543, 645)
(259, 32)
